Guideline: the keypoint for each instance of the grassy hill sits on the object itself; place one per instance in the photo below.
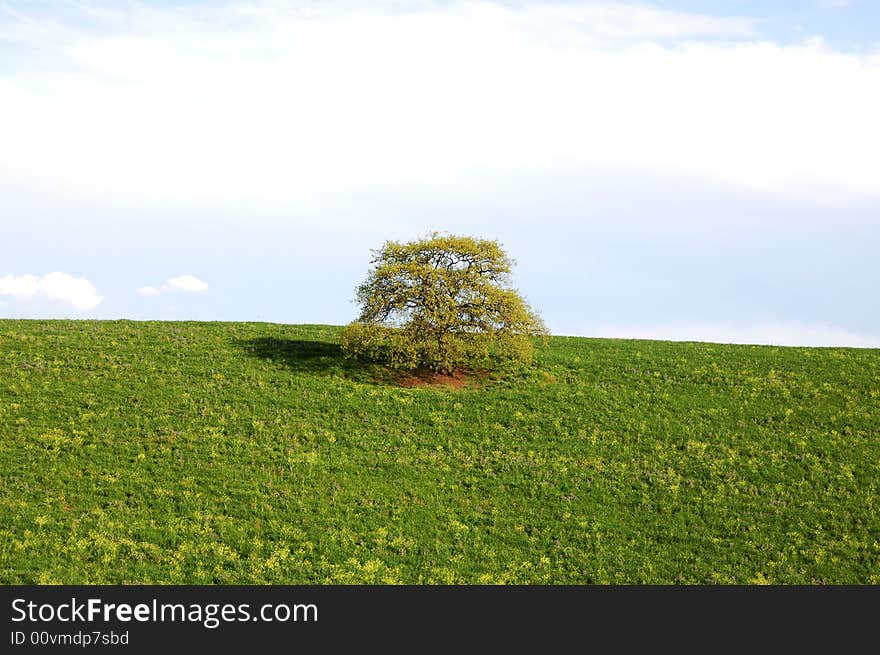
(253, 453)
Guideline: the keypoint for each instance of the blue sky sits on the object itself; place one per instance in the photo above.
(675, 170)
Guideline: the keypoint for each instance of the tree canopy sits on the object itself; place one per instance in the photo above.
(441, 302)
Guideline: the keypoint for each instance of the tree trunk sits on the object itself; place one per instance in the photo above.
(445, 368)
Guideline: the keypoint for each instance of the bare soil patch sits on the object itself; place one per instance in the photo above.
(431, 379)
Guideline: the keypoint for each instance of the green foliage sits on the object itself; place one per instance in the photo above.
(442, 302)
(248, 453)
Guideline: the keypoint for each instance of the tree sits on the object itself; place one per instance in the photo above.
(441, 302)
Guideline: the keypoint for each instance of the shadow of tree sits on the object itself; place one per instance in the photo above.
(326, 358)
(295, 353)
(308, 357)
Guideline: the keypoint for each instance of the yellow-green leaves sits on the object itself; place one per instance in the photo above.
(441, 302)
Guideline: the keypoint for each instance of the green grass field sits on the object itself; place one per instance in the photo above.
(253, 453)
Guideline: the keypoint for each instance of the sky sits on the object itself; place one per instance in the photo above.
(687, 170)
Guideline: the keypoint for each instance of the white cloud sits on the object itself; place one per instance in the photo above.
(779, 333)
(262, 104)
(54, 288)
(185, 283)
(574, 23)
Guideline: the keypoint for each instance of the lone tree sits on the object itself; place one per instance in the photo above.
(441, 303)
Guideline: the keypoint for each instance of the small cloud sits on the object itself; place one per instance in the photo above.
(186, 283)
(56, 287)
